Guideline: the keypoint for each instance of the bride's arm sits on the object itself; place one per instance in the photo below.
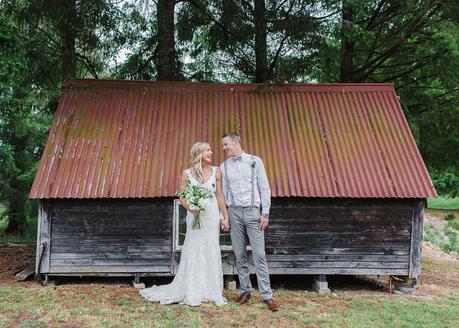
(221, 199)
(181, 188)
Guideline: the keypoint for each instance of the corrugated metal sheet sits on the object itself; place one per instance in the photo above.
(114, 139)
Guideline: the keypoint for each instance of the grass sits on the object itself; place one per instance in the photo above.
(444, 237)
(98, 306)
(451, 233)
(439, 271)
(443, 203)
(30, 235)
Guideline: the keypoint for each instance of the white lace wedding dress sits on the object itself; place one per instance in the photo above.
(200, 276)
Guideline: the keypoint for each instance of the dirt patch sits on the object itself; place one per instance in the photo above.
(439, 272)
(13, 259)
(429, 250)
(434, 219)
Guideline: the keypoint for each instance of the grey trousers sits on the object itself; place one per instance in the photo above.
(244, 223)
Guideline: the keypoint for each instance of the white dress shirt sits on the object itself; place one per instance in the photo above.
(239, 170)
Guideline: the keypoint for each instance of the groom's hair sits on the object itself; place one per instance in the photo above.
(234, 136)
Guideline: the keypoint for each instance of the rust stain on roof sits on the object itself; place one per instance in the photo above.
(118, 139)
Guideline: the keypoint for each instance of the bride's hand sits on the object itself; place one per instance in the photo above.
(195, 213)
(224, 224)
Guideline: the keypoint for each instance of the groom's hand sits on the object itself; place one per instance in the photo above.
(224, 224)
(264, 221)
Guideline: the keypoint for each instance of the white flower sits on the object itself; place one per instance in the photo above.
(204, 202)
(198, 199)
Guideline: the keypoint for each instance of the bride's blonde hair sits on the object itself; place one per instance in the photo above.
(196, 159)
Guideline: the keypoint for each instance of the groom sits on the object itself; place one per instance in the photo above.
(248, 196)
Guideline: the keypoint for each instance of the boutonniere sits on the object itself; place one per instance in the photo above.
(252, 163)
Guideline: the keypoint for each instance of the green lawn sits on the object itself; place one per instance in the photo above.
(445, 235)
(443, 203)
(101, 306)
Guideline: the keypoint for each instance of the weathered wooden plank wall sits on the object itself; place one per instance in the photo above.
(305, 236)
(339, 236)
(111, 236)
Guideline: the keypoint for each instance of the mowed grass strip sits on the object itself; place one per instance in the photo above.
(102, 306)
(443, 203)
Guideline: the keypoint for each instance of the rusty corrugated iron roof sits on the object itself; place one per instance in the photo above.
(116, 139)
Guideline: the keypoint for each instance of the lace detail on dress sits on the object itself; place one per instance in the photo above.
(200, 276)
(209, 184)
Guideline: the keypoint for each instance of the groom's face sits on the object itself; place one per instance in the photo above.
(229, 146)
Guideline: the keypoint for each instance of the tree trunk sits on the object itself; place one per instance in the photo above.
(166, 57)
(68, 35)
(347, 44)
(262, 73)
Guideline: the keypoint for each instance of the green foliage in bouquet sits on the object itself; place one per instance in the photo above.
(197, 198)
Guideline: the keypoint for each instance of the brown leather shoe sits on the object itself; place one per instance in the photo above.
(243, 298)
(271, 305)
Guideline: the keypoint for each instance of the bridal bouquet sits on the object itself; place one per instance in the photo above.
(198, 198)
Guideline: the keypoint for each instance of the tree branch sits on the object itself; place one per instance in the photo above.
(222, 28)
(279, 49)
(414, 68)
(88, 64)
(371, 66)
(276, 56)
(375, 15)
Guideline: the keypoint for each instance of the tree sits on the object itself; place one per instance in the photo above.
(80, 37)
(166, 57)
(262, 71)
(45, 43)
(153, 52)
(251, 41)
(21, 126)
(413, 44)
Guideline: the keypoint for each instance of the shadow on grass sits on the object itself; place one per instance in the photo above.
(299, 283)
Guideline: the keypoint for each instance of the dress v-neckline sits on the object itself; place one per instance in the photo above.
(208, 179)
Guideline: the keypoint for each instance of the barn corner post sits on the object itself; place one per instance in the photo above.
(43, 240)
(416, 239)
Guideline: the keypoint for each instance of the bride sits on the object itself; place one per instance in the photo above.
(200, 276)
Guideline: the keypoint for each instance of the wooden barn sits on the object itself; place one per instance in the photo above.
(348, 182)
